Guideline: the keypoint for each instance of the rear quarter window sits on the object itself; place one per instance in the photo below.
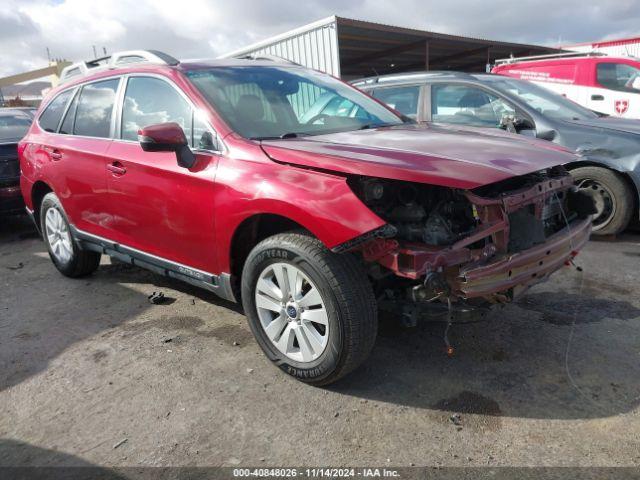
(50, 117)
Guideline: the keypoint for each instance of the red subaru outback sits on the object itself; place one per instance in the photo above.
(290, 191)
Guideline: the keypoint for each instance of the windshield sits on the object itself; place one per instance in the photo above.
(279, 102)
(13, 126)
(548, 103)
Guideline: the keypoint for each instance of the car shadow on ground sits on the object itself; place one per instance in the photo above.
(76, 309)
(20, 460)
(513, 364)
(16, 227)
(517, 363)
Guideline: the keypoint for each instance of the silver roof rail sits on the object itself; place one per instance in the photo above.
(115, 60)
(405, 77)
(548, 56)
(271, 58)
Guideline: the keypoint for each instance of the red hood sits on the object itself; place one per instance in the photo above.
(452, 157)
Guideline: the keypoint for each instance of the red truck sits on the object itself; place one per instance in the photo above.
(605, 84)
(226, 175)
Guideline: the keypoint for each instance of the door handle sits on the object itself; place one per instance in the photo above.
(54, 153)
(597, 97)
(116, 168)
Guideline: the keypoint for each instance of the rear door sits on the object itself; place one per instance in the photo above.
(156, 206)
(77, 153)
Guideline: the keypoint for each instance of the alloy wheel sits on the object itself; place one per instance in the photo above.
(292, 312)
(58, 235)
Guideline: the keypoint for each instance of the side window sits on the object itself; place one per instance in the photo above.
(467, 105)
(50, 117)
(95, 108)
(67, 123)
(618, 76)
(402, 99)
(148, 101)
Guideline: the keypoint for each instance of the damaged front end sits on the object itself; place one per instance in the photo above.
(470, 248)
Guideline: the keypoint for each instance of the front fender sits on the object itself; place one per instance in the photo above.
(322, 203)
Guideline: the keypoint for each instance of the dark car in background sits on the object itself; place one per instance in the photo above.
(14, 123)
(608, 167)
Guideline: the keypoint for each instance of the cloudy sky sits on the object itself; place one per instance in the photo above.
(207, 28)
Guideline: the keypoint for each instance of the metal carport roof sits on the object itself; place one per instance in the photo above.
(367, 48)
(355, 48)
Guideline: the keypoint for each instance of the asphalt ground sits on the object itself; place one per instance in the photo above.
(91, 373)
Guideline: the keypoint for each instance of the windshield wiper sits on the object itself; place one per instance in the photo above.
(367, 126)
(284, 136)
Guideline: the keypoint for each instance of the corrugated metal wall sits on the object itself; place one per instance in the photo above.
(315, 47)
(622, 48)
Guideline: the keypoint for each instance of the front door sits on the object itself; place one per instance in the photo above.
(617, 90)
(155, 205)
(461, 104)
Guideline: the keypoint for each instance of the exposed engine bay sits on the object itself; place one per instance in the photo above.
(420, 213)
(472, 247)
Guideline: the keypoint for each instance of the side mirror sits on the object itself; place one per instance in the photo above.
(167, 137)
(546, 134)
(514, 123)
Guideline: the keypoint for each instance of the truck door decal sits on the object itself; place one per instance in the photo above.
(621, 106)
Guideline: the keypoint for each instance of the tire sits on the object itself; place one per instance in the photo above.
(64, 251)
(344, 291)
(608, 188)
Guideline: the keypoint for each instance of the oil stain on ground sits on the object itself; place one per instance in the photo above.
(584, 308)
(230, 334)
(472, 410)
(26, 336)
(98, 355)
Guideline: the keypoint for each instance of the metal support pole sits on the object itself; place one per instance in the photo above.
(426, 56)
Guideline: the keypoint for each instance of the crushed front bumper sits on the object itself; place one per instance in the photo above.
(496, 277)
(519, 271)
(484, 265)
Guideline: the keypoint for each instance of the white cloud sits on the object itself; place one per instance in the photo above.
(207, 28)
